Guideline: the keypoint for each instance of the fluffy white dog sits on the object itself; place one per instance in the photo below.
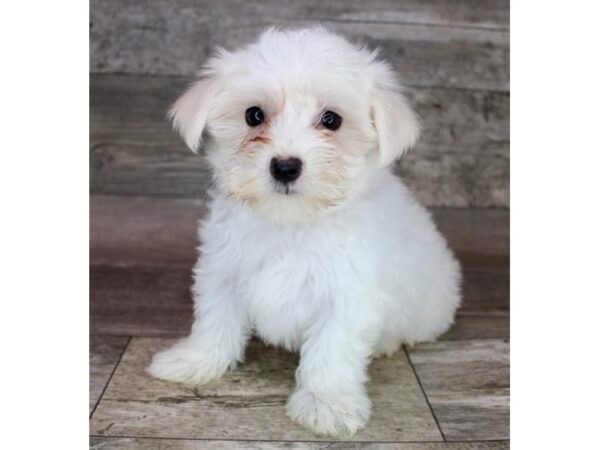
(311, 242)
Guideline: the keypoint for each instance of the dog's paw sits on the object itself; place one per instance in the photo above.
(184, 363)
(334, 415)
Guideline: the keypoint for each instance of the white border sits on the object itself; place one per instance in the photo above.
(44, 227)
(555, 198)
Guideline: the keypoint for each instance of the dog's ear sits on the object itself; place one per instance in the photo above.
(191, 112)
(396, 123)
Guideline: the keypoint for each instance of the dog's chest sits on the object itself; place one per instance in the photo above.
(289, 282)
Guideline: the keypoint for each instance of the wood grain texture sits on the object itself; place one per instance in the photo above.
(467, 384)
(248, 403)
(118, 443)
(140, 301)
(156, 301)
(485, 309)
(144, 231)
(469, 325)
(142, 251)
(461, 160)
(158, 231)
(480, 237)
(105, 352)
(463, 44)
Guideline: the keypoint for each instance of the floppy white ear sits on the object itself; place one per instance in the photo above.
(190, 112)
(396, 123)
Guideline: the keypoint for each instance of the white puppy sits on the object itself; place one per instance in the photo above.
(311, 242)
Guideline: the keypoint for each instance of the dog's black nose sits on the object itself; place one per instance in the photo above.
(286, 170)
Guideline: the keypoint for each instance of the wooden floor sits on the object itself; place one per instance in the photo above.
(451, 394)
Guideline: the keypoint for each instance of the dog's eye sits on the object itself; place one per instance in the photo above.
(331, 120)
(254, 116)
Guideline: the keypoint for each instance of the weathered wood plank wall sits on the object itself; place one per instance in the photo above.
(453, 57)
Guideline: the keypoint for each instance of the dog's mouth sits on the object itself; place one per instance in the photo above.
(284, 188)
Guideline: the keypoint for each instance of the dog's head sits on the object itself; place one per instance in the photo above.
(297, 123)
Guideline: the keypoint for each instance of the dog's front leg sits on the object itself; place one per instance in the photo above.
(217, 341)
(330, 396)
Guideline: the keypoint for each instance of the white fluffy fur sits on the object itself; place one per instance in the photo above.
(347, 265)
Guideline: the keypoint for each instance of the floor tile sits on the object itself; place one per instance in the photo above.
(249, 402)
(467, 384)
(105, 352)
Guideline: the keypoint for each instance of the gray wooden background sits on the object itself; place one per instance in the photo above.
(452, 55)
